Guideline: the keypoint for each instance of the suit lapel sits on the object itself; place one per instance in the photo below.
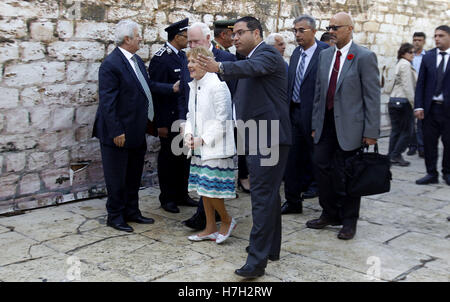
(327, 59)
(293, 66)
(130, 69)
(312, 62)
(347, 63)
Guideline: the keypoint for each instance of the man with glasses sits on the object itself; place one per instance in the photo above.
(260, 99)
(346, 114)
(173, 170)
(299, 177)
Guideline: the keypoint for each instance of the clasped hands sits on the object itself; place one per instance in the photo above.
(192, 142)
(119, 141)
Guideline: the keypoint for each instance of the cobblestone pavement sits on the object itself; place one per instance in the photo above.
(402, 235)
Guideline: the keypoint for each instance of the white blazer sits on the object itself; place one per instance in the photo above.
(405, 81)
(210, 117)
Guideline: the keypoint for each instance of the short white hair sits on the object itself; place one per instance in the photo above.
(271, 38)
(204, 28)
(123, 29)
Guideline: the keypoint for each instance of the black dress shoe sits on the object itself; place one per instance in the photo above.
(428, 179)
(196, 222)
(142, 219)
(188, 202)
(421, 153)
(170, 207)
(310, 194)
(446, 177)
(320, 223)
(248, 271)
(411, 151)
(292, 208)
(120, 226)
(347, 233)
(271, 257)
(400, 161)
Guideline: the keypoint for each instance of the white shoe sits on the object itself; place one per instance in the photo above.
(221, 238)
(211, 236)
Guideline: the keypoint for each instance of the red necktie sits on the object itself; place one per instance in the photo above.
(333, 81)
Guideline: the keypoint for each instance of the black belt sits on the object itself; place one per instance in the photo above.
(438, 102)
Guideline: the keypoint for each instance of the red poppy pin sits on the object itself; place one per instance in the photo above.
(350, 56)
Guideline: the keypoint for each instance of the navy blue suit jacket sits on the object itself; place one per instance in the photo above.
(307, 87)
(426, 83)
(219, 56)
(261, 93)
(123, 105)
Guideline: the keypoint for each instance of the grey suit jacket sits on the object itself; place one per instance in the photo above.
(357, 97)
(261, 93)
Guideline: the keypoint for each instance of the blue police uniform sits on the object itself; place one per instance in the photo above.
(173, 171)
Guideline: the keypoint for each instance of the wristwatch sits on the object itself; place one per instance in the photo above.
(220, 68)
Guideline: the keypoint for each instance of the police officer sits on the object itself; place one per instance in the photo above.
(223, 29)
(173, 170)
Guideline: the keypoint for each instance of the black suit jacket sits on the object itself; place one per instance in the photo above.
(426, 83)
(123, 105)
(308, 84)
(261, 92)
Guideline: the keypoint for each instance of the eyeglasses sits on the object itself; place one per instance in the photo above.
(240, 33)
(411, 51)
(334, 27)
(300, 30)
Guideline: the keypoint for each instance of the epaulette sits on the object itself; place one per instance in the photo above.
(161, 51)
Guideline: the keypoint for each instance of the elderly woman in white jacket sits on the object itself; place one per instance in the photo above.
(209, 135)
(401, 104)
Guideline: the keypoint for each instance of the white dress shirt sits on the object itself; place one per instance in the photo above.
(439, 59)
(128, 55)
(344, 51)
(173, 48)
(309, 53)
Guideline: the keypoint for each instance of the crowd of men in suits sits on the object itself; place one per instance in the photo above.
(326, 101)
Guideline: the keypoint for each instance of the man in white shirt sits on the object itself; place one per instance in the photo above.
(432, 105)
(346, 114)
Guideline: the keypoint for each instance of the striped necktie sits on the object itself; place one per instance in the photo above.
(298, 79)
(144, 85)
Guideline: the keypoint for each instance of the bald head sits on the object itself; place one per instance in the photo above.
(341, 28)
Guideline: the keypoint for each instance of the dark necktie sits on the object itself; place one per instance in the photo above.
(440, 75)
(333, 81)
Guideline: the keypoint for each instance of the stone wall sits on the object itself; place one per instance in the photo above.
(50, 52)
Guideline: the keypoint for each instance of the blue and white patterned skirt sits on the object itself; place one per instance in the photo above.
(212, 178)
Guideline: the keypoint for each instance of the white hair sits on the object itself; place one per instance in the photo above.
(123, 29)
(204, 28)
(271, 38)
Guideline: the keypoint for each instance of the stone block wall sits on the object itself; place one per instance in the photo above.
(50, 52)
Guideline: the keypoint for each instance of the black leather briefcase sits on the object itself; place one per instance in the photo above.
(363, 174)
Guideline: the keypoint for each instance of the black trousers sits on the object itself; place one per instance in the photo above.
(417, 134)
(335, 207)
(265, 236)
(122, 168)
(436, 124)
(401, 128)
(299, 174)
(173, 172)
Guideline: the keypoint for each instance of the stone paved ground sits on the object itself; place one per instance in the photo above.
(402, 235)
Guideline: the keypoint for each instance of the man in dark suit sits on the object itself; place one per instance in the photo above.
(260, 100)
(173, 170)
(346, 114)
(302, 72)
(432, 105)
(199, 35)
(125, 108)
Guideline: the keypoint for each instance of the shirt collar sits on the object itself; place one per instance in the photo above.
(173, 48)
(210, 47)
(310, 51)
(447, 51)
(346, 47)
(126, 53)
(250, 54)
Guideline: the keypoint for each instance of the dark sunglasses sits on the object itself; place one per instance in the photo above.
(334, 27)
